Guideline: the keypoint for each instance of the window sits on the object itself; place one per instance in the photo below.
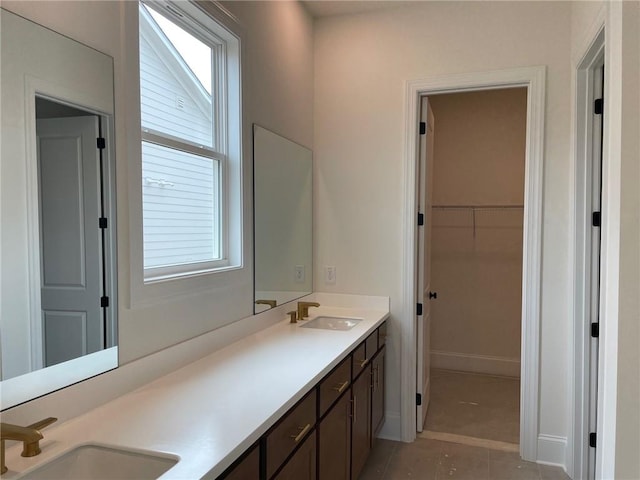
(189, 97)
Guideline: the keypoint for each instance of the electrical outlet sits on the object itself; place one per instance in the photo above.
(299, 274)
(329, 275)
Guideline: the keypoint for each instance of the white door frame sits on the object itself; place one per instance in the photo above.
(534, 79)
(582, 293)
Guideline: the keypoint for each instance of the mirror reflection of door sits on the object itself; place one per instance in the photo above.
(71, 242)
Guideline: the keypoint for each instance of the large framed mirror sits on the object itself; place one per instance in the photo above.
(58, 293)
(282, 173)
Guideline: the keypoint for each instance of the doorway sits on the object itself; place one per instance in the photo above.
(533, 78)
(75, 272)
(470, 265)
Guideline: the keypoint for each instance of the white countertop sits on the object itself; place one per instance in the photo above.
(209, 412)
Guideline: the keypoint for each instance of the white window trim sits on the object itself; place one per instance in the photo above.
(146, 292)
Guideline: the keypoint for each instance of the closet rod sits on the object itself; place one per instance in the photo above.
(478, 207)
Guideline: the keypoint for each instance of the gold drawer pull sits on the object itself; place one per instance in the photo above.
(341, 387)
(303, 432)
(363, 363)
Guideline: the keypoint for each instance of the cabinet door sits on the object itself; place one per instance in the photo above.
(289, 432)
(377, 393)
(335, 442)
(247, 469)
(302, 465)
(361, 421)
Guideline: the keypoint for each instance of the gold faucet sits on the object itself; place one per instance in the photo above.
(271, 303)
(30, 437)
(303, 309)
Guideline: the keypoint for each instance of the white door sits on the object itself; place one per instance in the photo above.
(423, 258)
(70, 237)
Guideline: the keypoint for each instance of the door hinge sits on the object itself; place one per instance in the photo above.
(592, 439)
(101, 143)
(102, 222)
(423, 128)
(596, 219)
(418, 399)
(418, 309)
(420, 219)
(104, 302)
(595, 330)
(598, 106)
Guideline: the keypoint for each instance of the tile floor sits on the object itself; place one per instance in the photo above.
(463, 405)
(480, 406)
(427, 459)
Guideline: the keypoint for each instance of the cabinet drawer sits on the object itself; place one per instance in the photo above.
(382, 335)
(289, 432)
(335, 384)
(364, 353)
(246, 469)
(372, 345)
(359, 360)
(302, 466)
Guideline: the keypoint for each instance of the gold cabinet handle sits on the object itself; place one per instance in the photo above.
(302, 433)
(341, 386)
(363, 363)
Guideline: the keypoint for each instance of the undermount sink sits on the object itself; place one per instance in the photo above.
(332, 323)
(95, 462)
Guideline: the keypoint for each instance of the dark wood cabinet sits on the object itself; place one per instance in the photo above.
(360, 421)
(334, 451)
(302, 465)
(377, 393)
(328, 434)
(247, 468)
(289, 432)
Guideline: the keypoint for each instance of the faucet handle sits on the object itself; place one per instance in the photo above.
(293, 316)
(31, 449)
(43, 423)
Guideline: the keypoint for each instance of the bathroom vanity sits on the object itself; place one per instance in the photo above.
(329, 433)
(275, 404)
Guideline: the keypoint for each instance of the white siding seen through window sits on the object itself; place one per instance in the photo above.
(182, 157)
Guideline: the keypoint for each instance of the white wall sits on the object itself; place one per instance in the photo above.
(278, 84)
(362, 65)
(627, 460)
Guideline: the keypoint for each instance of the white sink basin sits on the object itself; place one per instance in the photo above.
(332, 323)
(94, 462)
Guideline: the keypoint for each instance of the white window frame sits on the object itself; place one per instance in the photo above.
(225, 283)
(226, 144)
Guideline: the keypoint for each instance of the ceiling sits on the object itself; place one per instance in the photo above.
(327, 8)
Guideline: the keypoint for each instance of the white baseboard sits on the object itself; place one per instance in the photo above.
(552, 450)
(391, 430)
(464, 362)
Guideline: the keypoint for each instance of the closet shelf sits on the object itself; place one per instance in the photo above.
(475, 208)
(478, 207)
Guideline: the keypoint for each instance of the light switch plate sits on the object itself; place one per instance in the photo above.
(329, 275)
(299, 274)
